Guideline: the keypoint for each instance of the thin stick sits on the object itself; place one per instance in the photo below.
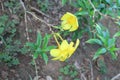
(92, 77)
(83, 77)
(2, 6)
(33, 8)
(116, 77)
(49, 25)
(95, 10)
(25, 17)
(36, 69)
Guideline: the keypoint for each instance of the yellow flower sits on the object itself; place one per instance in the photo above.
(69, 22)
(64, 50)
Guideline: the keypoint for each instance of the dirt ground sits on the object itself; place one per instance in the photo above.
(82, 58)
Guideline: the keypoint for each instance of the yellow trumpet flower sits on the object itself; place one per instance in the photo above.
(64, 51)
(69, 22)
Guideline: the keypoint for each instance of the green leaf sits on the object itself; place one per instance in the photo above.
(118, 2)
(112, 49)
(117, 34)
(3, 19)
(39, 39)
(45, 57)
(35, 55)
(101, 6)
(111, 42)
(102, 39)
(49, 48)
(29, 44)
(108, 1)
(80, 13)
(114, 57)
(99, 30)
(45, 41)
(1, 30)
(64, 2)
(94, 41)
(99, 52)
(105, 34)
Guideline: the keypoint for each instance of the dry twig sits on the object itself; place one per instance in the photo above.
(95, 10)
(2, 6)
(49, 25)
(33, 8)
(92, 76)
(116, 77)
(81, 73)
(25, 17)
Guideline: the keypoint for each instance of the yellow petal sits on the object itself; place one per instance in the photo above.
(66, 26)
(55, 52)
(60, 57)
(77, 43)
(64, 45)
(70, 22)
(66, 16)
(64, 56)
(74, 26)
(71, 49)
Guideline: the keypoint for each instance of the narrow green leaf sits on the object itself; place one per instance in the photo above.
(64, 2)
(45, 41)
(102, 39)
(111, 42)
(112, 49)
(35, 55)
(99, 52)
(114, 57)
(39, 39)
(106, 34)
(49, 48)
(45, 57)
(1, 30)
(94, 41)
(29, 44)
(80, 13)
(117, 34)
(99, 30)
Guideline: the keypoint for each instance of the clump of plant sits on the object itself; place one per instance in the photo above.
(69, 70)
(12, 5)
(40, 47)
(105, 41)
(89, 13)
(9, 46)
(43, 4)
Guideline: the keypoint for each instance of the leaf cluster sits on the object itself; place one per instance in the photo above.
(40, 47)
(69, 70)
(107, 44)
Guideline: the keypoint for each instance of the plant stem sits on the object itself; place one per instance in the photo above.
(36, 70)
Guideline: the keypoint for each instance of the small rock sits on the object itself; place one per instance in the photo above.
(36, 77)
(49, 78)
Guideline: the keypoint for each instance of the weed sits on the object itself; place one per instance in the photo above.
(13, 5)
(69, 70)
(40, 47)
(10, 46)
(107, 44)
(43, 4)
